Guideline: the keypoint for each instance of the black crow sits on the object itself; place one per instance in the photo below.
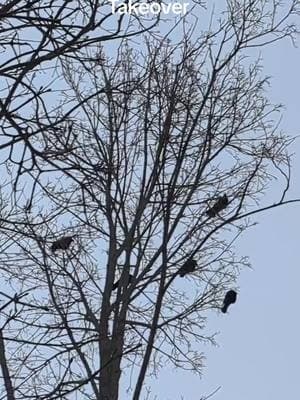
(62, 243)
(230, 298)
(189, 266)
(219, 205)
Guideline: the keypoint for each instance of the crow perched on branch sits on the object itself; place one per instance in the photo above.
(230, 298)
(219, 205)
(62, 243)
(116, 284)
(189, 266)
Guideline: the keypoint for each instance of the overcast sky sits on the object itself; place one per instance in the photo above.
(258, 353)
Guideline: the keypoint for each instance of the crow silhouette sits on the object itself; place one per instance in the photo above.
(189, 266)
(62, 243)
(219, 205)
(116, 284)
(230, 298)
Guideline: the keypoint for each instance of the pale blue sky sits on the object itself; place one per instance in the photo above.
(258, 354)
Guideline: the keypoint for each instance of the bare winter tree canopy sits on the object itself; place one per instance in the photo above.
(125, 165)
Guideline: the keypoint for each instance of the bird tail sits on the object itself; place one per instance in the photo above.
(224, 309)
(210, 213)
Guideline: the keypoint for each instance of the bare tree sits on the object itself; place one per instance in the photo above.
(119, 216)
(36, 37)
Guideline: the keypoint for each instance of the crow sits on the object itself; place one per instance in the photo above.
(189, 266)
(62, 243)
(219, 205)
(230, 298)
(116, 284)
